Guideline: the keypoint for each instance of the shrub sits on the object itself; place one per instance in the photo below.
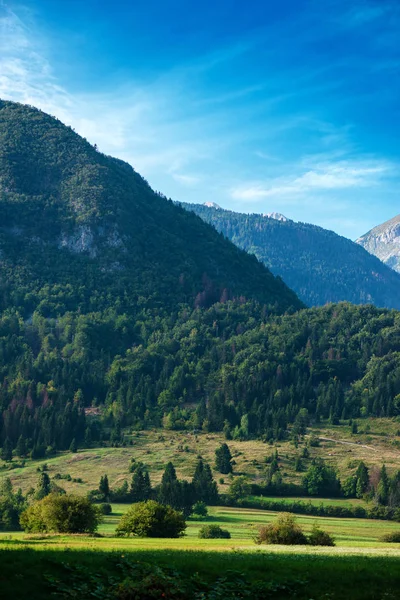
(105, 508)
(152, 519)
(393, 537)
(318, 537)
(213, 532)
(61, 514)
(283, 531)
(200, 509)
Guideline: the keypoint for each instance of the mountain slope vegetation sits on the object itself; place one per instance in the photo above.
(318, 264)
(119, 309)
(83, 230)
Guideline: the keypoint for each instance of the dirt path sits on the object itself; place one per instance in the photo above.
(325, 439)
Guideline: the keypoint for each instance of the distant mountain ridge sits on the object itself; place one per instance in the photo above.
(319, 265)
(383, 241)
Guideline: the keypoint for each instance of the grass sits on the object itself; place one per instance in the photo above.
(303, 576)
(156, 448)
(359, 567)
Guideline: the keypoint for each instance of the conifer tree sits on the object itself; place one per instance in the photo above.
(104, 487)
(6, 453)
(223, 459)
(44, 486)
(204, 486)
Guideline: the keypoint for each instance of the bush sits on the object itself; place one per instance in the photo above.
(200, 510)
(393, 537)
(152, 519)
(318, 537)
(283, 531)
(61, 514)
(105, 508)
(213, 532)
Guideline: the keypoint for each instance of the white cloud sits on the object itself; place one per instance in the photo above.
(323, 177)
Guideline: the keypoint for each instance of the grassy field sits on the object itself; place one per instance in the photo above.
(377, 445)
(352, 536)
(360, 566)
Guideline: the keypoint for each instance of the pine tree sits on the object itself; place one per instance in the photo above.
(223, 459)
(44, 486)
(73, 446)
(6, 453)
(20, 448)
(104, 487)
(204, 486)
(140, 489)
(362, 478)
(382, 491)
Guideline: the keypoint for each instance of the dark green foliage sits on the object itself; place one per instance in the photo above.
(319, 537)
(183, 575)
(152, 519)
(44, 486)
(73, 446)
(392, 538)
(223, 459)
(213, 532)
(12, 504)
(61, 514)
(318, 264)
(177, 494)
(362, 478)
(239, 488)
(204, 487)
(321, 480)
(104, 487)
(200, 510)
(140, 489)
(284, 530)
(382, 490)
(105, 508)
(6, 452)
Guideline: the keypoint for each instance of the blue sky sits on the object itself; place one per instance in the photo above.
(290, 106)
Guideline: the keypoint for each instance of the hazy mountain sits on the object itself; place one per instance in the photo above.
(384, 242)
(319, 265)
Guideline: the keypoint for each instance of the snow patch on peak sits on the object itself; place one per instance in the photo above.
(211, 205)
(275, 215)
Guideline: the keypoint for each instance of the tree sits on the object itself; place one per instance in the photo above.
(104, 487)
(44, 486)
(20, 448)
(73, 446)
(382, 491)
(174, 493)
(223, 459)
(151, 519)
(61, 514)
(204, 486)
(6, 452)
(140, 489)
(239, 488)
(362, 477)
(321, 480)
(284, 530)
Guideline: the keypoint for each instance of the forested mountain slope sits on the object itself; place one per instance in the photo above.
(383, 241)
(318, 264)
(118, 308)
(80, 230)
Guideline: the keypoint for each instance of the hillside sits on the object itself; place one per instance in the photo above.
(83, 231)
(383, 241)
(318, 264)
(120, 310)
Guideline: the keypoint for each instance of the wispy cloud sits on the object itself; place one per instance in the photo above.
(322, 177)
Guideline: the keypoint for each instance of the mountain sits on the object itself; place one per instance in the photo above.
(319, 265)
(120, 309)
(384, 242)
(80, 230)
